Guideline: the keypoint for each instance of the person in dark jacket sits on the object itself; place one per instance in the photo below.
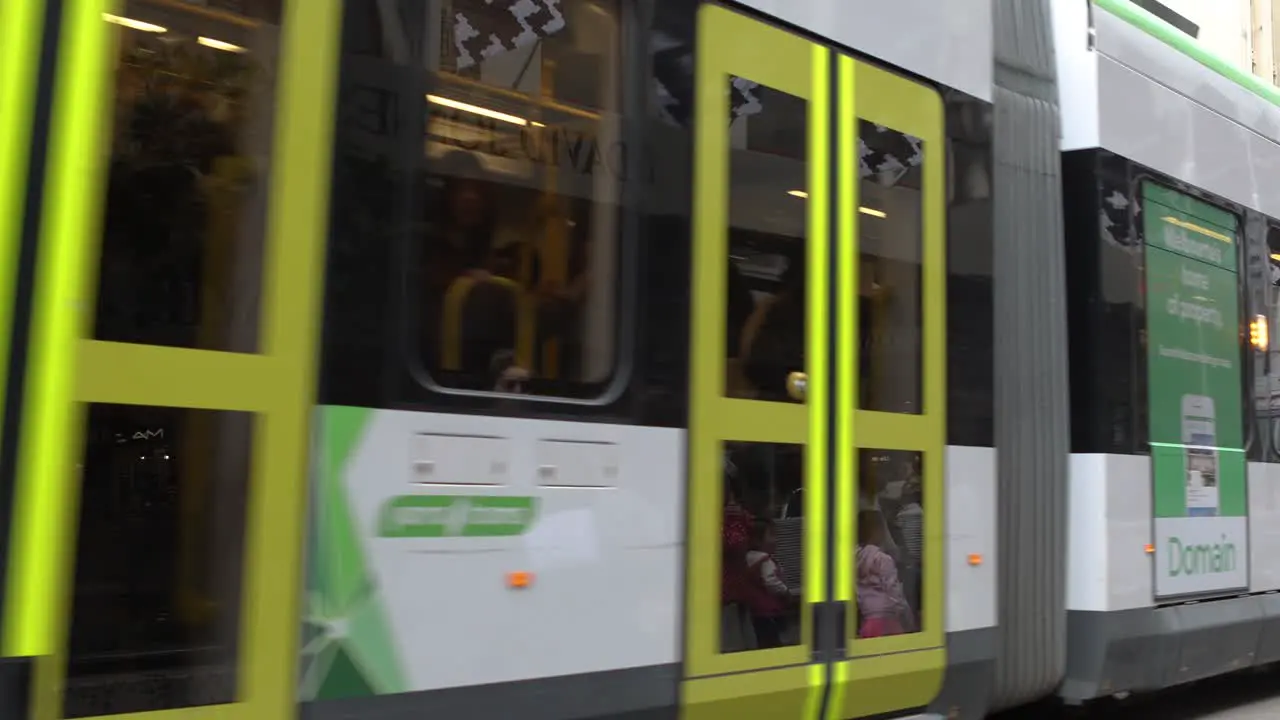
(778, 348)
(461, 242)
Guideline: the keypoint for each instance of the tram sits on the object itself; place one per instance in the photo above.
(628, 358)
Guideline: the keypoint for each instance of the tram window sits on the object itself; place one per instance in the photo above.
(515, 268)
(890, 236)
(182, 237)
(889, 555)
(765, 307)
(155, 619)
(762, 535)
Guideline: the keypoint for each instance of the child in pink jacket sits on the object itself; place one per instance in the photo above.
(882, 607)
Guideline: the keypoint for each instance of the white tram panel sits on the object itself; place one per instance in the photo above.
(1136, 96)
(948, 41)
(1264, 527)
(1109, 501)
(971, 532)
(603, 554)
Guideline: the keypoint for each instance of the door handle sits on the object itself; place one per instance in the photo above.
(797, 386)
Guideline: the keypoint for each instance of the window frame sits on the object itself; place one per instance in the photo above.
(632, 111)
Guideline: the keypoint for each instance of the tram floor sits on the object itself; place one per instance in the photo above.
(1247, 695)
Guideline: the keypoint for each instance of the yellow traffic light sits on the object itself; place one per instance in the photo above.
(1259, 335)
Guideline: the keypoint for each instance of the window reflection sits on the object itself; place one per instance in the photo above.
(155, 621)
(889, 556)
(762, 533)
(517, 258)
(182, 235)
(765, 305)
(890, 240)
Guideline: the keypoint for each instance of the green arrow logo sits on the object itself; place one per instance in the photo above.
(434, 516)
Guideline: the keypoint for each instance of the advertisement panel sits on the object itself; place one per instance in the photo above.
(1194, 387)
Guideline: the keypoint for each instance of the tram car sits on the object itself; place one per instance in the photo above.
(635, 359)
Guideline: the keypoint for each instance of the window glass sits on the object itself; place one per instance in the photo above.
(155, 620)
(890, 237)
(182, 236)
(970, 288)
(889, 556)
(765, 305)
(515, 251)
(762, 532)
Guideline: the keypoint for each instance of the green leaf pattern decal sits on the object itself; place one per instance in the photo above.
(348, 649)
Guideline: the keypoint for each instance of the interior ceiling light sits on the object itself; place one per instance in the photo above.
(219, 45)
(476, 110)
(134, 24)
(864, 209)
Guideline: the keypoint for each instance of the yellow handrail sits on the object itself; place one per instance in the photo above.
(451, 321)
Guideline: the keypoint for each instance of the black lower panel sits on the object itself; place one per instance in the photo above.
(15, 687)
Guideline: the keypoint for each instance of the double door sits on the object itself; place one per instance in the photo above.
(168, 281)
(815, 580)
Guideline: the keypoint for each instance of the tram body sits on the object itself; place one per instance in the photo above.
(603, 358)
(1152, 122)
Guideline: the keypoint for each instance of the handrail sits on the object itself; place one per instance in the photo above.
(451, 320)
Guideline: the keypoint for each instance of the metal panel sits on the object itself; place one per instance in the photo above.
(957, 34)
(1031, 424)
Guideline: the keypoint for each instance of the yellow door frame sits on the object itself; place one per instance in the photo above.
(875, 675)
(782, 681)
(21, 26)
(68, 369)
(886, 674)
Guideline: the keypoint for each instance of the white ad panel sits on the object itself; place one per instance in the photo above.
(1196, 555)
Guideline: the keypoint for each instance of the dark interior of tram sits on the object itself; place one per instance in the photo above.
(159, 552)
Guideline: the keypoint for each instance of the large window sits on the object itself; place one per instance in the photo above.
(512, 272)
(157, 593)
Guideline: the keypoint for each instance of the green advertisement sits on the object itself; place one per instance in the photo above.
(1193, 359)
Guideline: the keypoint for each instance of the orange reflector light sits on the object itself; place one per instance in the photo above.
(975, 559)
(1150, 548)
(519, 579)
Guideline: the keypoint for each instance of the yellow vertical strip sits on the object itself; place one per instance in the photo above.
(846, 495)
(711, 191)
(935, 359)
(818, 306)
(847, 360)
(46, 494)
(21, 23)
(294, 267)
(815, 510)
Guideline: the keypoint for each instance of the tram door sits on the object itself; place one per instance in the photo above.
(162, 462)
(816, 434)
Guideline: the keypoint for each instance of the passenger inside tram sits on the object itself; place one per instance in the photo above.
(761, 560)
(523, 150)
(462, 246)
(493, 300)
(771, 600)
(882, 605)
(773, 339)
(890, 543)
